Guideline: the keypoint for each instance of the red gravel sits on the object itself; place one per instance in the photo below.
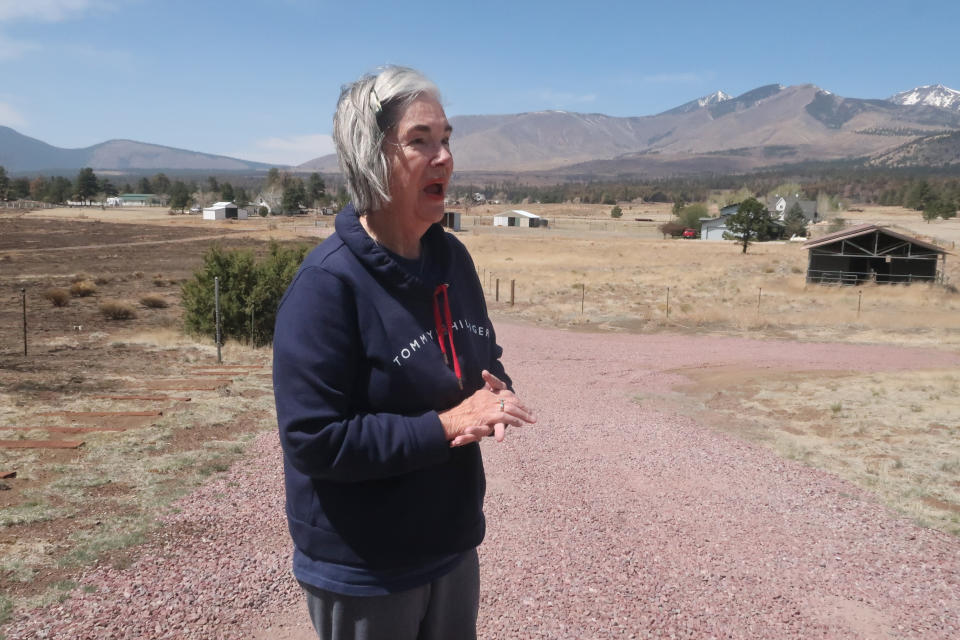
(606, 520)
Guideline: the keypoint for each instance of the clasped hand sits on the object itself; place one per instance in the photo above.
(488, 411)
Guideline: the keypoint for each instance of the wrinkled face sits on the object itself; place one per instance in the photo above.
(418, 153)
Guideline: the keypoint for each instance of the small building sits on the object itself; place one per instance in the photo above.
(224, 211)
(133, 200)
(714, 228)
(873, 253)
(518, 218)
(451, 220)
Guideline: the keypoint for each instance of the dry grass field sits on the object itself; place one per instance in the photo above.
(68, 507)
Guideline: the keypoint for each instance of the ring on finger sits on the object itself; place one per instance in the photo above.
(501, 404)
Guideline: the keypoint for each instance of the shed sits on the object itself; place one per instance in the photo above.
(451, 220)
(872, 252)
(224, 211)
(518, 218)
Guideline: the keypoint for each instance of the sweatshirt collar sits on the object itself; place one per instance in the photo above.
(382, 265)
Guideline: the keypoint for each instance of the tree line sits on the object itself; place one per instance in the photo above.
(293, 193)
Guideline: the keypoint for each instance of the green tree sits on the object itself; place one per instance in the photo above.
(294, 196)
(38, 188)
(212, 184)
(59, 190)
(107, 188)
(316, 189)
(795, 221)
(751, 222)
(689, 216)
(179, 196)
(4, 184)
(19, 188)
(226, 192)
(677, 206)
(939, 208)
(86, 184)
(273, 177)
(161, 184)
(144, 186)
(250, 291)
(918, 195)
(240, 198)
(616, 212)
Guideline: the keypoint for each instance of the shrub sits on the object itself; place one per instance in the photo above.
(116, 310)
(160, 282)
(672, 229)
(154, 302)
(79, 277)
(263, 211)
(250, 291)
(101, 280)
(836, 224)
(82, 289)
(58, 297)
(616, 212)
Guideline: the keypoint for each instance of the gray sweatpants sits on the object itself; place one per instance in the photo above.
(445, 609)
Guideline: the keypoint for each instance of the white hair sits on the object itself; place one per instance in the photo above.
(367, 109)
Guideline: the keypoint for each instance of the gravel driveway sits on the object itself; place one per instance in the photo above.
(606, 520)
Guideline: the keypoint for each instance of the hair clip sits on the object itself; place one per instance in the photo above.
(375, 101)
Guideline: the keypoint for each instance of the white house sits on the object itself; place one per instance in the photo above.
(224, 211)
(518, 218)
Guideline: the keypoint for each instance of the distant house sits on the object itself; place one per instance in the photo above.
(714, 228)
(134, 200)
(518, 218)
(871, 252)
(451, 220)
(224, 211)
(779, 205)
(269, 199)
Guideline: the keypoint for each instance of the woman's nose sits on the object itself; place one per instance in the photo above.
(443, 156)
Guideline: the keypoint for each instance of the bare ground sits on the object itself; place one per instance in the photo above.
(609, 519)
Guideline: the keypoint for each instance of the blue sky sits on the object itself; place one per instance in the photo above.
(259, 79)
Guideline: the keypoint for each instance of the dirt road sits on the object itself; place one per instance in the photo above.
(609, 519)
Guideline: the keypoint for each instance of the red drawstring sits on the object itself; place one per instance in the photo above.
(445, 328)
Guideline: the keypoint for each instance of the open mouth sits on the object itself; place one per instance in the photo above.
(434, 189)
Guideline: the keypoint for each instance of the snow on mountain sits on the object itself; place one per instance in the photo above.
(714, 98)
(934, 95)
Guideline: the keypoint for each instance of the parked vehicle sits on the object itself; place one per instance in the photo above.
(689, 233)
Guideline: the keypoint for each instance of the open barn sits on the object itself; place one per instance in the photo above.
(873, 253)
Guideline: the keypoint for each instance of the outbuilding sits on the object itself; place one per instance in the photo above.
(873, 253)
(451, 220)
(133, 200)
(715, 228)
(224, 211)
(518, 218)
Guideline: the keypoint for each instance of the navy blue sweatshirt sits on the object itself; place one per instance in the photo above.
(377, 501)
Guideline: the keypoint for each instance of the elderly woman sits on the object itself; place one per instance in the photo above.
(387, 375)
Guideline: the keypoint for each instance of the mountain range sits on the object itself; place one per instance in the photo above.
(20, 153)
(717, 133)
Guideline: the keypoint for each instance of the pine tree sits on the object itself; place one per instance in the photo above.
(86, 184)
(795, 221)
(751, 221)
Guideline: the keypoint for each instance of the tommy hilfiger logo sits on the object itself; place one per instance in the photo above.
(425, 338)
